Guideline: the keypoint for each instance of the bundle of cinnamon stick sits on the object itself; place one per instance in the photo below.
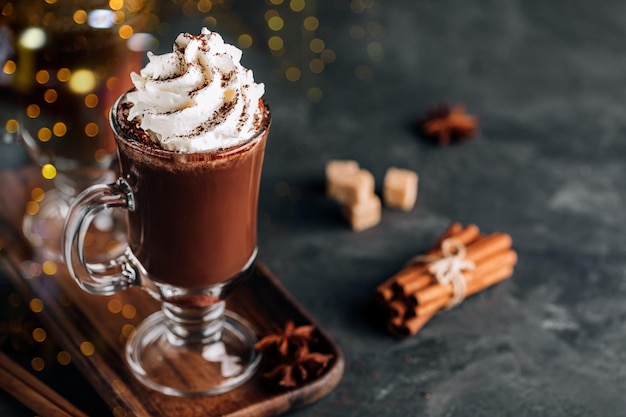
(415, 294)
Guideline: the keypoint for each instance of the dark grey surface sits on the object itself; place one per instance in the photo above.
(547, 81)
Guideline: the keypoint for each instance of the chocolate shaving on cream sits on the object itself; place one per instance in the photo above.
(198, 97)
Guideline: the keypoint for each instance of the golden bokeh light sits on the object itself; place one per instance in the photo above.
(292, 74)
(49, 267)
(328, 56)
(42, 76)
(64, 358)
(33, 111)
(32, 208)
(64, 75)
(37, 194)
(276, 2)
(91, 100)
(36, 305)
(59, 129)
(87, 348)
(44, 134)
(39, 335)
(311, 23)
(270, 13)
(12, 126)
(205, 6)
(101, 155)
(128, 330)
(314, 94)
(32, 38)
(9, 67)
(244, 40)
(297, 5)
(275, 23)
(91, 129)
(317, 45)
(83, 81)
(37, 364)
(116, 4)
(48, 171)
(114, 305)
(275, 43)
(129, 311)
(210, 21)
(125, 32)
(112, 83)
(50, 96)
(80, 16)
(316, 66)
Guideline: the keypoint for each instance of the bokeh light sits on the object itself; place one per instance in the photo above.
(36, 305)
(87, 348)
(83, 81)
(114, 305)
(48, 171)
(244, 40)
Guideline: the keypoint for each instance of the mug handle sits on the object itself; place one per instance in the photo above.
(111, 275)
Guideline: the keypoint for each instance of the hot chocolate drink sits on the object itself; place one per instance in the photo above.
(195, 179)
(190, 137)
(195, 219)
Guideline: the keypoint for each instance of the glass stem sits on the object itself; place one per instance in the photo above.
(191, 325)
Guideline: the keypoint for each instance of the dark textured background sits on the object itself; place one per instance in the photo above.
(547, 81)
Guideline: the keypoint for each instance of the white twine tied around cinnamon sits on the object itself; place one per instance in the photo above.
(449, 268)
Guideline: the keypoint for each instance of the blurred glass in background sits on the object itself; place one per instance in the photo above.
(63, 63)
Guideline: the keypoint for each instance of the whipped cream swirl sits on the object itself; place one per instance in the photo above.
(198, 97)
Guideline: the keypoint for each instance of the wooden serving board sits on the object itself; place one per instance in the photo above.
(81, 321)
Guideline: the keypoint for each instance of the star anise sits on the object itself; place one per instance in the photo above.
(290, 336)
(445, 124)
(303, 365)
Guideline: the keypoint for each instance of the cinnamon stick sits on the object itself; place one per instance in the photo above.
(480, 283)
(413, 296)
(414, 324)
(417, 276)
(497, 261)
(33, 393)
(411, 326)
(476, 252)
(453, 229)
(385, 292)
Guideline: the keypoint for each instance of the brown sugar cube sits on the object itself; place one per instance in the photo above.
(363, 214)
(400, 188)
(337, 171)
(355, 187)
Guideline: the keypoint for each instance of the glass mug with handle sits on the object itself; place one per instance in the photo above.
(192, 232)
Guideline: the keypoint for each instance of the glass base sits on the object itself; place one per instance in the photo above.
(106, 236)
(192, 369)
